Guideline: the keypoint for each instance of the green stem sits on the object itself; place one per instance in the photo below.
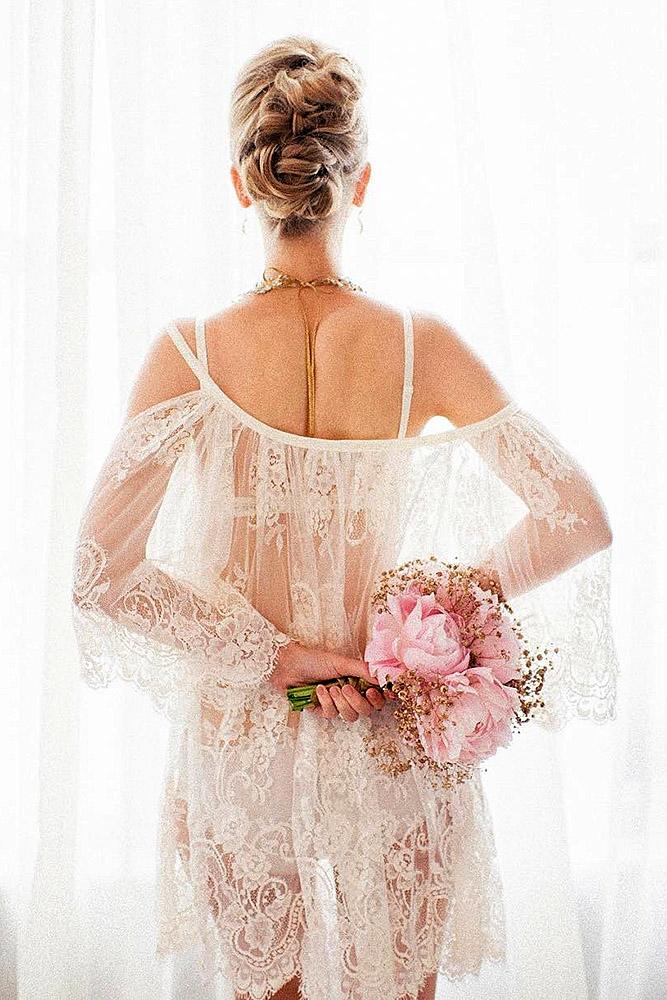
(302, 695)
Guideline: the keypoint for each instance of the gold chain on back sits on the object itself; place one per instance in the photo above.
(282, 280)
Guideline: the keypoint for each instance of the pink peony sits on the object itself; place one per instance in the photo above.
(498, 648)
(476, 724)
(464, 648)
(416, 632)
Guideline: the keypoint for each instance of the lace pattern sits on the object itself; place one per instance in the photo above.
(409, 873)
(165, 638)
(205, 547)
(537, 466)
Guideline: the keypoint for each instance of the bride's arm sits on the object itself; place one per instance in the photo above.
(135, 617)
(566, 520)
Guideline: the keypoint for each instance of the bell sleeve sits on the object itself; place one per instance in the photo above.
(551, 556)
(132, 618)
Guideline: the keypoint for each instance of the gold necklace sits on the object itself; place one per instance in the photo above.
(283, 280)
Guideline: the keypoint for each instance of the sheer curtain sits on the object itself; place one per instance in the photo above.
(518, 189)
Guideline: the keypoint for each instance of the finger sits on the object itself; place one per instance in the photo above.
(356, 700)
(329, 710)
(389, 694)
(341, 703)
(375, 697)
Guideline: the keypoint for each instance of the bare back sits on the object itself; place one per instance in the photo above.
(256, 354)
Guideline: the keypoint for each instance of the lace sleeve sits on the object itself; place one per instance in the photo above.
(134, 620)
(554, 567)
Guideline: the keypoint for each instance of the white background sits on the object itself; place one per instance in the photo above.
(519, 189)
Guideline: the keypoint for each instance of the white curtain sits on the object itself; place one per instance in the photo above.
(519, 190)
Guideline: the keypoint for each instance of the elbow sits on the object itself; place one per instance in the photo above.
(595, 531)
(602, 529)
(596, 523)
(607, 537)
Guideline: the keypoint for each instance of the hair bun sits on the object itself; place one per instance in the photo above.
(298, 130)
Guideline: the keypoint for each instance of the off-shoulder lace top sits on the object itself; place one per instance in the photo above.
(210, 539)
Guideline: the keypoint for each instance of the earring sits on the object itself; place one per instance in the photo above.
(360, 221)
(243, 224)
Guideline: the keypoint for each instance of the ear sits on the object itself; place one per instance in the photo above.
(238, 187)
(360, 189)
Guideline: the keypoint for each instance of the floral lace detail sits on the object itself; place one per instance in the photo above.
(535, 466)
(584, 678)
(239, 577)
(284, 850)
(273, 493)
(160, 434)
(257, 862)
(88, 582)
(322, 490)
(304, 625)
(164, 636)
(362, 492)
(229, 629)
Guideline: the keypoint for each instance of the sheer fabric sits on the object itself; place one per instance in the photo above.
(209, 541)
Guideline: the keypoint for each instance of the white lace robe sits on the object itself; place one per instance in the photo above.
(209, 540)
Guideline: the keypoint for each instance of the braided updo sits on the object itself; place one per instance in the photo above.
(297, 130)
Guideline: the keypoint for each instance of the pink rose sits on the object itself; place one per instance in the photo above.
(415, 632)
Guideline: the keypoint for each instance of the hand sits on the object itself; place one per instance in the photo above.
(297, 664)
(347, 702)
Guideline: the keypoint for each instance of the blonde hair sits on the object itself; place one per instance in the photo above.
(297, 130)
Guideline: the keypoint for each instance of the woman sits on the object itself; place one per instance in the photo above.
(230, 548)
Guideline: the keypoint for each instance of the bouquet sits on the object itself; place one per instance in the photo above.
(448, 645)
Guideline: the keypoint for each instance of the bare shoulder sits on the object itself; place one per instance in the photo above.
(164, 373)
(450, 378)
(343, 305)
(355, 327)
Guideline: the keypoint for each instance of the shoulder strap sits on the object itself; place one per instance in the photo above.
(199, 367)
(200, 342)
(408, 333)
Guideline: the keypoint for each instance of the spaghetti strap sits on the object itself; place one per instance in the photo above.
(408, 333)
(199, 369)
(200, 342)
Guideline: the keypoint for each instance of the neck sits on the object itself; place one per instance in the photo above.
(304, 257)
